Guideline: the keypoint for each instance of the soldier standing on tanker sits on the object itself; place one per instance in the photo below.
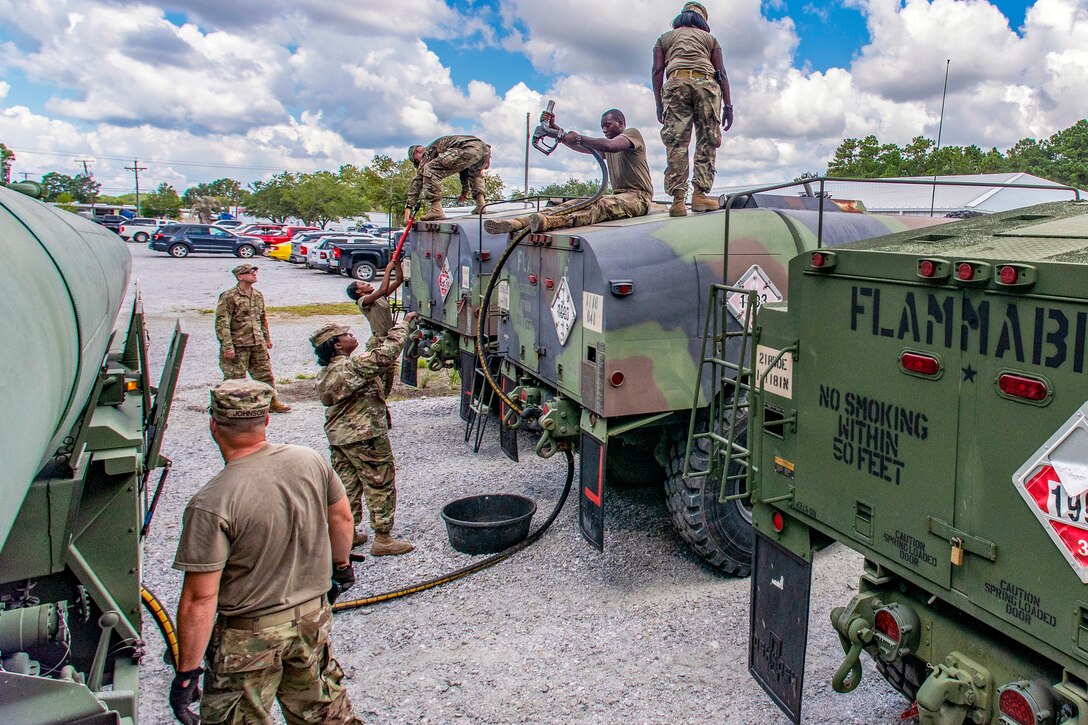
(258, 545)
(373, 303)
(357, 423)
(696, 92)
(242, 328)
(466, 155)
(632, 190)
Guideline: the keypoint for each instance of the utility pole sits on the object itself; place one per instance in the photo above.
(87, 172)
(136, 169)
(26, 175)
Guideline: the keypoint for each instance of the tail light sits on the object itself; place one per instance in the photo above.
(822, 261)
(336, 252)
(1022, 386)
(1025, 703)
(934, 270)
(156, 235)
(622, 287)
(896, 631)
(303, 251)
(926, 366)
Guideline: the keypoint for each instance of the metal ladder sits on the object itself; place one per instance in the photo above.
(479, 406)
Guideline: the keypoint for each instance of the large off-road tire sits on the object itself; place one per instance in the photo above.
(721, 533)
(906, 674)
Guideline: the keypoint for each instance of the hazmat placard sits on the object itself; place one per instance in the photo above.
(445, 279)
(754, 279)
(563, 312)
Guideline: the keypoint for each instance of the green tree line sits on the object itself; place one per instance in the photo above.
(1062, 158)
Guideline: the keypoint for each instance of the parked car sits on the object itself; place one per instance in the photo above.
(302, 242)
(277, 234)
(232, 224)
(318, 250)
(140, 229)
(180, 240)
(112, 222)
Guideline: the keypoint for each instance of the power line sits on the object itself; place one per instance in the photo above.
(173, 162)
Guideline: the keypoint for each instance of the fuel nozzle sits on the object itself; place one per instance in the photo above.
(547, 130)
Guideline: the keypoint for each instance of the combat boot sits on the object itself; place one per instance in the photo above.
(278, 407)
(678, 208)
(385, 545)
(505, 226)
(544, 222)
(359, 538)
(700, 202)
(480, 201)
(434, 213)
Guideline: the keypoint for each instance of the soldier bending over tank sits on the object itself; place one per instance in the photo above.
(356, 424)
(466, 155)
(624, 152)
(258, 545)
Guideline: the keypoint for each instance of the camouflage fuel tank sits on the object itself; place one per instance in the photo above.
(601, 328)
(80, 434)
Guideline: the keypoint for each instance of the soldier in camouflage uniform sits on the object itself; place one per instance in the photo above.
(373, 303)
(242, 328)
(261, 544)
(356, 424)
(467, 156)
(695, 94)
(624, 151)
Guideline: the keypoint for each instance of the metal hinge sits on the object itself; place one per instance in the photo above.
(974, 544)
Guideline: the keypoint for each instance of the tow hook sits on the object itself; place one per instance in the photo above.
(858, 634)
(440, 351)
(558, 419)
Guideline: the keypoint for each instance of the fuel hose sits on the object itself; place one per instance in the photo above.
(464, 571)
(163, 622)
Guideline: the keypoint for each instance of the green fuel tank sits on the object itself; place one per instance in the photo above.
(62, 281)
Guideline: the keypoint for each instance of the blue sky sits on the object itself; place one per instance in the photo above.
(205, 89)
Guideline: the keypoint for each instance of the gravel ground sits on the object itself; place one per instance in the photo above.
(559, 633)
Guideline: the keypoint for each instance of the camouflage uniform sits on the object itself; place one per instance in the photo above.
(241, 325)
(445, 156)
(356, 423)
(691, 102)
(619, 205)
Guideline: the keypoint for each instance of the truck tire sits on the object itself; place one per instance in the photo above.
(179, 251)
(720, 533)
(364, 271)
(906, 674)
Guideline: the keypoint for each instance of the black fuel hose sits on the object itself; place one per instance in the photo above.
(471, 568)
(485, 303)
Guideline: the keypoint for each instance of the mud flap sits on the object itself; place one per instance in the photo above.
(467, 367)
(508, 437)
(409, 368)
(591, 490)
(778, 636)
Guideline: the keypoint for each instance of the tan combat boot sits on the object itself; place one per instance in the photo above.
(385, 545)
(278, 407)
(359, 539)
(700, 202)
(678, 208)
(480, 201)
(434, 213)
(505, 226)
(544, 222)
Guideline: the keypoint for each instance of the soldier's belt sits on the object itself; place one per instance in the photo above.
(687, 73)
(274, 619)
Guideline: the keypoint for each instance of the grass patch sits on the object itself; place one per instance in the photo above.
(312, 309)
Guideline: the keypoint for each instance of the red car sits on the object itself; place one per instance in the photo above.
(275, 234)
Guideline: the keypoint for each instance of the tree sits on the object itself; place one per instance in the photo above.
(322, 197)
(7, 157)
(227, 191)
(205, 207)
(83, 188)
(163, 202)
(570, 188)
(270, 199)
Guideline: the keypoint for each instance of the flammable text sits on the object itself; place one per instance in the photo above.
(870, 430)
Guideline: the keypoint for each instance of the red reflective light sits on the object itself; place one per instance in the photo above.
(302, 250)
(624, 289)
(617, 379)
(1009, 275)
(920, 364)
(886, 625)
(426, 255)
(1020, 386)
(549, 283)
(1014, 705)
(437, 257)
(484, 256)
(927, 268)
(777, 521)
(336, 252)
(965, 272)
(532, 279)
(819, 259)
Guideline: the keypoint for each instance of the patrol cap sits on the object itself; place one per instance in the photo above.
(327, 333)
(241, 398)
(412, 150)
(696, 8)
(244, 269)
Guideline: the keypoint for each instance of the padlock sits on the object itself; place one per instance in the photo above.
(957, 551)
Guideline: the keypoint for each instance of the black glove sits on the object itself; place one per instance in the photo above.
(343, 578)
(727, 118)
(181, 696)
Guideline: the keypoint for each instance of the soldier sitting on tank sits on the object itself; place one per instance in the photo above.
(466, 155)
(625, 153)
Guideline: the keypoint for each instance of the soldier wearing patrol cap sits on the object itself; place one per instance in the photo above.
(242, 328)
(357, 423)
(695, 95)
(258, 545)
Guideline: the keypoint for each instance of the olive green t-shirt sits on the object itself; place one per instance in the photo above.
(263, 521)
(627, 169)
(378, 315)
(688, 48)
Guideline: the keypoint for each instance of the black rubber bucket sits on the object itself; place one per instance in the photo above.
(488, 524)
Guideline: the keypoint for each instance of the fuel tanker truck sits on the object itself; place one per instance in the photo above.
(923, 399)
(593, 335)
(79, 438)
